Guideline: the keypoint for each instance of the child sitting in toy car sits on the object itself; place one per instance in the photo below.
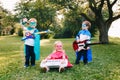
(57, 59)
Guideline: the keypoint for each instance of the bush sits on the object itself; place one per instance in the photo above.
(20, 32)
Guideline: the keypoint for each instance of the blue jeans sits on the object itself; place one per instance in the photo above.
(29, 55)
(79, 56)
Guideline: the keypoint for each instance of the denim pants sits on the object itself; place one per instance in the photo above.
(80, 54)
(29, 55)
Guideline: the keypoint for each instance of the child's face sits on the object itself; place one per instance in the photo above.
(58, 46)
(33, 24)
(84, 26)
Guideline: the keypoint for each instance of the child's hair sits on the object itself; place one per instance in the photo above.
(32, 19)
(56, 42)
(87, 23)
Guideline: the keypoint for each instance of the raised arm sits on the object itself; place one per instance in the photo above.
(44, 32)
(24, 23)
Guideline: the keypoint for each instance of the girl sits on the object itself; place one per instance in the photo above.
(59, 58)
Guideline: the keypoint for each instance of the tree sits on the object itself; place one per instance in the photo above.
(103, 22)
(73, 19)
(98, 12)
(3, 16)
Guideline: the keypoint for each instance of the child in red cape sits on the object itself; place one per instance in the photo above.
(58, 55)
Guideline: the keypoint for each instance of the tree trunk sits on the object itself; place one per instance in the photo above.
(103, 32)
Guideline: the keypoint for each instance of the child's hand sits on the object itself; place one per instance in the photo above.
(44, 61)
(81, 48)
(88, 48)
(63, 61)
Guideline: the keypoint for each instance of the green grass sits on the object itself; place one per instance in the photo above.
(105, 64)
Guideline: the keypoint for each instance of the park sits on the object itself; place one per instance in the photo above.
(64, 18)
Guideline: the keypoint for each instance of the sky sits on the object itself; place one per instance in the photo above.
(9, 4)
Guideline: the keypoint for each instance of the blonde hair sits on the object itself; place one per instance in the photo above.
(57, 42)
(32, 19)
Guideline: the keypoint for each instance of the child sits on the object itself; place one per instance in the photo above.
(31, 41)
(82, 38)
(57, 54)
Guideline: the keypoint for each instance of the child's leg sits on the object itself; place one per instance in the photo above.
(27, 55)
(78, 57)
(32, 54)
(63, 65)
(85, 59)
(43, 66)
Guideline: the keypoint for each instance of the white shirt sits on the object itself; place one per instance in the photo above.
(29, 41)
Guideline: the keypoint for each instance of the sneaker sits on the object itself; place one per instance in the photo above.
(33, 65)
(25, 66)
(61, 69)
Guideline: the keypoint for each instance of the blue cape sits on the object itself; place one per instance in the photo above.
(84, 32)
(37, 46)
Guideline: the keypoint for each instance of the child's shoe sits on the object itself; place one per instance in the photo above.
(33, 65)
(25, 66)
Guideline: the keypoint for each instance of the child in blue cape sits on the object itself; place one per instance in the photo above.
(82, 38)
(31, 40)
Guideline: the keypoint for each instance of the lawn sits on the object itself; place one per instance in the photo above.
(104, 66)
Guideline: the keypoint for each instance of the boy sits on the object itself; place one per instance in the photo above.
(31, 41)
(82, 38)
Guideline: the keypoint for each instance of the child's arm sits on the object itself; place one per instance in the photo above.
(42, 32)
(64, 54)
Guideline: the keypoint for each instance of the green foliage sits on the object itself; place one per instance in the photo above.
(72, 24)
(104, 66)
(20, 32)
(40, 9)
(73, 17)
(3, 14)
(6, 21)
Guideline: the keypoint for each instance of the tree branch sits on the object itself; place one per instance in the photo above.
(85, 16)
(113, 19)
(116, 17)
(92, 5)
(101, 5)
(113, 3)
(109, 9)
